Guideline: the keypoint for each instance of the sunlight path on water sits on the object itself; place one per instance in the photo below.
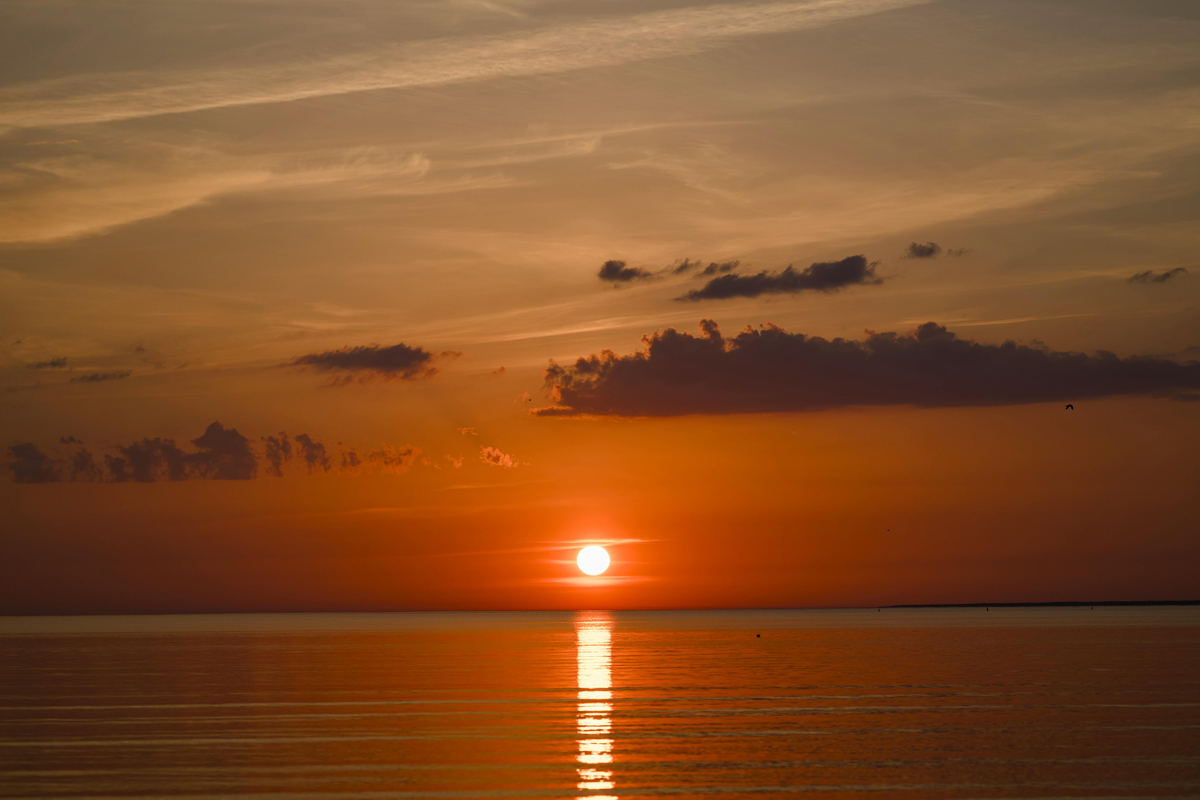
(593, 631)
(928, 704)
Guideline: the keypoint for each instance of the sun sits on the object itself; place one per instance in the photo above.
(593, 560)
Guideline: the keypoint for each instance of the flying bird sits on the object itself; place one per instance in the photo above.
(1070, 407)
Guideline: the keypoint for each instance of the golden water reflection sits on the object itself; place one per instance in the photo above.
(593, 722)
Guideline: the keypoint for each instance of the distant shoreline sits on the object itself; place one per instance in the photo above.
(1055, 603)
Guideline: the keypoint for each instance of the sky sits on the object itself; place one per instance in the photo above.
(366, 305)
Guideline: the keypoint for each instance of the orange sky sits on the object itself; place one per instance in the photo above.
(237, 212)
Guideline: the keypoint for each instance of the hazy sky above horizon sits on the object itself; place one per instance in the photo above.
(235, 211)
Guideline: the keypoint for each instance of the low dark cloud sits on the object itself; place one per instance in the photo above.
(771, 370)
(367, 362)
(83, 466)
(1150, 276)
(54, 363)
(31, 465)
(278, 452)
(222, 454)
(350, 459)
(617, 272)
(680, 267)
(97, 377)
(394, 459)
(314, 454)
(927, 250)
(219, 453)
(147, 461)
(822, 276)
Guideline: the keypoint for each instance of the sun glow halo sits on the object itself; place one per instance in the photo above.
(593, 559)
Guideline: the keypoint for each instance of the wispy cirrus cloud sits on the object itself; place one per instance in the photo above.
(557, 48)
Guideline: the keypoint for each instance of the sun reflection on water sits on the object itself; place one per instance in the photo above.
(593, 722)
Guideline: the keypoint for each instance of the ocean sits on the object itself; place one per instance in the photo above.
(914, 703)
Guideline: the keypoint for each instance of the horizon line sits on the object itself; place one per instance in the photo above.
(1031, 604)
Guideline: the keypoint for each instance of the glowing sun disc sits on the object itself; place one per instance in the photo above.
(593, 560)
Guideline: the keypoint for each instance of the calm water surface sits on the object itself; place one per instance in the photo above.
(915, 703)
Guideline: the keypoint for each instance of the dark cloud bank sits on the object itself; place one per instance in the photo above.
(369, 362)
(771, 370)
(220, 454)
(822, 276)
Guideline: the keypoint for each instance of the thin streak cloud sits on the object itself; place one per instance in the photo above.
(596, 43)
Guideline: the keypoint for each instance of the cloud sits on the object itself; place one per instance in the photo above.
(222, 454)
(398, 362)
(54, 363)
(490, 455)
(83, 466)
(719, 269)
(824, 276)
(31, 465)
(396, 460)
(927, 250)
(455, 461)
(350, 460)
(313, 453)
(147, 461)
(771, 370)
(97, 377)
(77, 195)
(1150, 276)
(713, 268)
(617, 272)
(468, 431)
(277, 451)
(586, 44)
